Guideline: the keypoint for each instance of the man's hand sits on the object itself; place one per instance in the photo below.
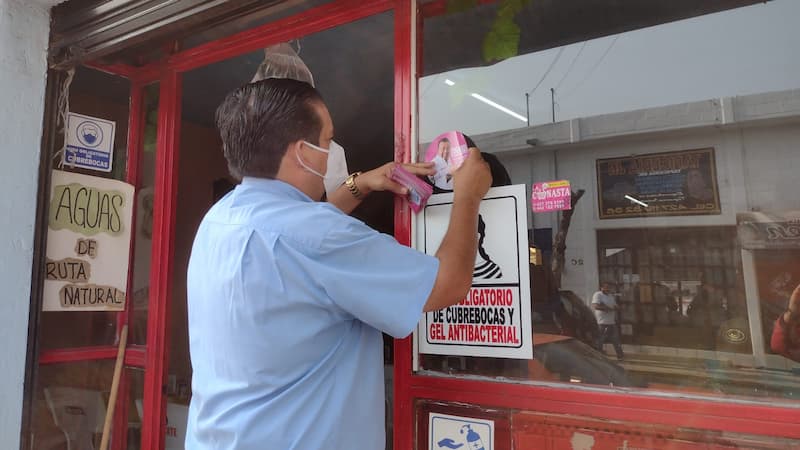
(377, 180)
(473, 179)
(792, 313)
(460, 243)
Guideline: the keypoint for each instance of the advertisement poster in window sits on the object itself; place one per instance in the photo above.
(494, 319)
(88, 243)
(551, 196)
(679, 183)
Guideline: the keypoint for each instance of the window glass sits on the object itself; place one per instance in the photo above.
(70, 404)
(96, 94)
(143, 243)
(679, 148)
(135, 407)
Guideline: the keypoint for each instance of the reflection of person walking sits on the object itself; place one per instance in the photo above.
(605, 310)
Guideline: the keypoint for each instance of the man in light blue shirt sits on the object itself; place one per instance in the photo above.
(288, 295)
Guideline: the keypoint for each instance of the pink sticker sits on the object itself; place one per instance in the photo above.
(448, 151)
(418, 190)
(551, 196)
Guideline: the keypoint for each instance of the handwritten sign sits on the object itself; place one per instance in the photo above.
(551, 196)
(88, 243)
(494, 319)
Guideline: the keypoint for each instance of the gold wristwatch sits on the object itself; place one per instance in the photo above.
(350, 182)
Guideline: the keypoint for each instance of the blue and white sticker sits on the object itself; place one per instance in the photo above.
(90, 142)
(464, 433)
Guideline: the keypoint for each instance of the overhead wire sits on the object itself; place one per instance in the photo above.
(571, 65)
(591, 71)
(547, 72)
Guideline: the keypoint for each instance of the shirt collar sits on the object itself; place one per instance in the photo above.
(275, 186)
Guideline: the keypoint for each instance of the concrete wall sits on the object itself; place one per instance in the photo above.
(24, 28)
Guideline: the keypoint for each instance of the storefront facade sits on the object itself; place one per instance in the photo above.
(689, 379)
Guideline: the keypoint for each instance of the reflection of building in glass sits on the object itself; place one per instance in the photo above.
(678, 286)
(695, 279)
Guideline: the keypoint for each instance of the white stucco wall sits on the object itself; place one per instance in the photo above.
(24, 28)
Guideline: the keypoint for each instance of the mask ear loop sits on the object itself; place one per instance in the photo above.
(306, 166)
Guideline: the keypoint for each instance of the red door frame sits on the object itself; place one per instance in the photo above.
(638, 406)
(169, 72)
(153, 356)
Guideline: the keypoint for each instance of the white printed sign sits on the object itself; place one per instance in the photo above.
(494, 319)
(454, 432)
(90, 142)
(88, 243)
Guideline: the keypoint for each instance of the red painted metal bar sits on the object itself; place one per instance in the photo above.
(712, 414)
(135, 130)
(77, 354)
(439, 7)
(403, 413)
(312, 21)
(165, 198)
(134, 356)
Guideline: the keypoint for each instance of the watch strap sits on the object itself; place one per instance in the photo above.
(350, 182)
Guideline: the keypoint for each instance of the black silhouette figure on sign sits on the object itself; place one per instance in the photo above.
(485, 268)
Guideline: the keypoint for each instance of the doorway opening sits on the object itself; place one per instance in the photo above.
(357, 85)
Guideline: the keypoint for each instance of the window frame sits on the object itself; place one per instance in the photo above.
(731, 415)
(757, 417)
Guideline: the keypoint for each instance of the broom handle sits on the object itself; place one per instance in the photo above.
(112, 399)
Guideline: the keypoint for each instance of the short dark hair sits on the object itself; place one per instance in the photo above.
(499, 173)
(258, 121)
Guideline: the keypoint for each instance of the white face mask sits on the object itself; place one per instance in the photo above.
(337, 166)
